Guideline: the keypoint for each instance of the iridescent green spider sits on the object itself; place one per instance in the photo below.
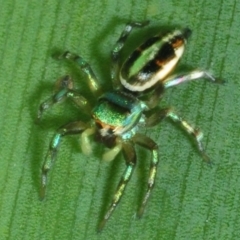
(139, 84)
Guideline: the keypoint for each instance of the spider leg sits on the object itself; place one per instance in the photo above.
(155, 118)
(155, 96)
(68, 129)
(86, 68)
(118, 47)
(194, 75)
(153, 147)
(85, 141)
(63, 89)
(130, 158)
(110, 154)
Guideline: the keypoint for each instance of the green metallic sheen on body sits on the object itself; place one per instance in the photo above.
(119, 111)
(109, 114)
(121, 99)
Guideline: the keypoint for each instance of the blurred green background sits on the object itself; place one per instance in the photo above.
(190, 199)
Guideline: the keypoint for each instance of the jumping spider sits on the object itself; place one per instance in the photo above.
(122, 111)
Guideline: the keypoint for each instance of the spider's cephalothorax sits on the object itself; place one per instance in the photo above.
(138, 85)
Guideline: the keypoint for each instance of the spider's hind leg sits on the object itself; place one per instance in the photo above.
(118, 47)
(193, 75)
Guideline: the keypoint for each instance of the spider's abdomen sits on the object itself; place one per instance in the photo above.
(117, 113)
(153, 60)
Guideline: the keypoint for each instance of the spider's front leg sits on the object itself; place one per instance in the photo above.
(68, 129)
(130, 158)
(63, 89)
(148, 143)
(119, 45)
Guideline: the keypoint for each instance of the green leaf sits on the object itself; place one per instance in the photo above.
(190, 199)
